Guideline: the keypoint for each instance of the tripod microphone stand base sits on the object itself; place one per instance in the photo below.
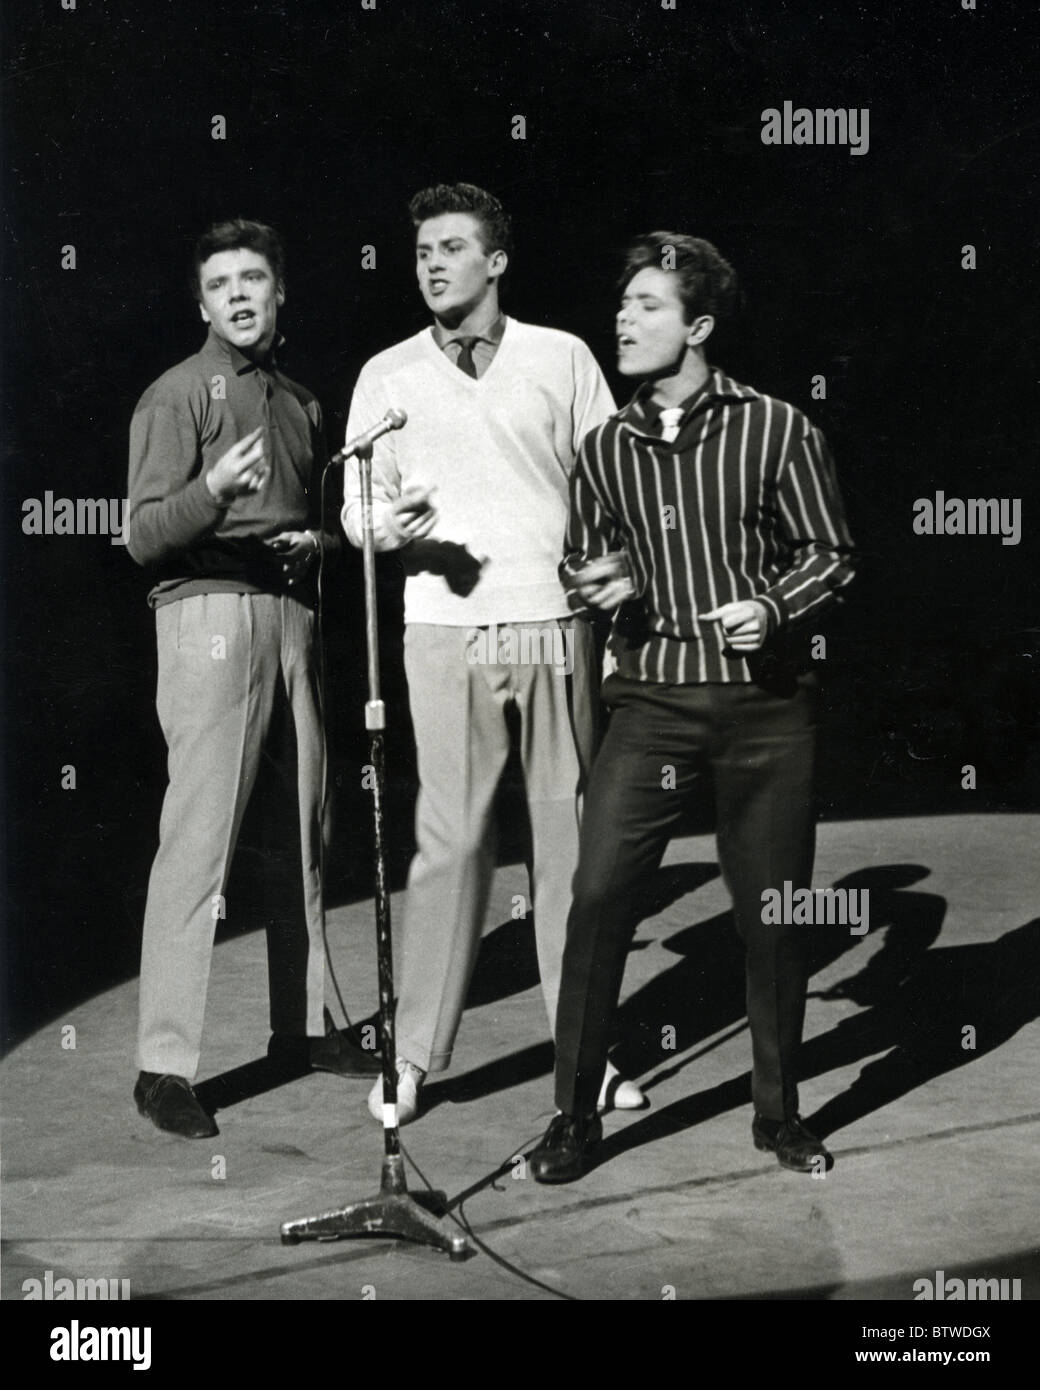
(394, 1212)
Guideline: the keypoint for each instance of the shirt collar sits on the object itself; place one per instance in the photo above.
(239, 361)
(643, 413)
(492, 334)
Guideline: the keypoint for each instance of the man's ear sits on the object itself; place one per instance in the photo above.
(700, 330)
(279, 294)
(202, 310)
(497, 262)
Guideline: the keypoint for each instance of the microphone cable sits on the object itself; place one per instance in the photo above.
(463, 1223)
(461, 1220)
(319, 635)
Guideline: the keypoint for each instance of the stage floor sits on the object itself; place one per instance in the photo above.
(921, 1065)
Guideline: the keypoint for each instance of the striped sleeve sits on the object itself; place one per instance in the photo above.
(592, 524)
(813, 528)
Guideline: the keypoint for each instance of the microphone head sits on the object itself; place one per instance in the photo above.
(396, 418)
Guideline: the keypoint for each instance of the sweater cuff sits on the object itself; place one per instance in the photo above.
(201, 487)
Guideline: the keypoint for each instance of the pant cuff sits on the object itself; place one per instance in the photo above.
(421, 1055)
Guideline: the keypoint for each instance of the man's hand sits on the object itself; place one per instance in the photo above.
(298, 550)
(413, 514)
(744, 624)
(242, 469)
(604, 583)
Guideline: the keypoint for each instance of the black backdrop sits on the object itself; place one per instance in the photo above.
(637, 118)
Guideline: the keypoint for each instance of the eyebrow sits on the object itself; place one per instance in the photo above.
(643, 294)
(249, 270)
(444, 241)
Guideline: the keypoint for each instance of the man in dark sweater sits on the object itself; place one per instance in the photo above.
(225, 453)
(711, 514)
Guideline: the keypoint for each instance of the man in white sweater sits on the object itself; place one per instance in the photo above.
(475, 491)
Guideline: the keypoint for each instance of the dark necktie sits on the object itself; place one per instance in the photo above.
(464, 361)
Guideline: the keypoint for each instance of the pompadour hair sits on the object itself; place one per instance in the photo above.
(231, 235)
(496, 227)
(707, 283)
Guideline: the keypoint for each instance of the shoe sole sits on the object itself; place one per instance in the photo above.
(177, 1133)
(346, 1073)
(765, 1147)
(629, 1106)
(554, 1178)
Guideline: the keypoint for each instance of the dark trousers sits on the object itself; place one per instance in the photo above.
(757, 746)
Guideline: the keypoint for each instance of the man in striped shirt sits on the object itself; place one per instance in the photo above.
(710, 513)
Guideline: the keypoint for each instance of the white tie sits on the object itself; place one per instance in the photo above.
(670, 419)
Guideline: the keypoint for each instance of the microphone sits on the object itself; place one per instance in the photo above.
(392, 420)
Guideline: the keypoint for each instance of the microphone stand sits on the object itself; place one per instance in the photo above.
(393, 1211)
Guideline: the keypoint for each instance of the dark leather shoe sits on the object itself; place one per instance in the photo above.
(794, 1145)
(170, 1103)
(560, 1157)
(336, 1052)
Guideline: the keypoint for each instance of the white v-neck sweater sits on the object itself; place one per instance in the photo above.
(498, 450)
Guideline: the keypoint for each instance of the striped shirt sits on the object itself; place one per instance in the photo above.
(742, 504)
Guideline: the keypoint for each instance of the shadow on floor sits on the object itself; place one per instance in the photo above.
(704, 992)
(930, 1011)
(933, 1014)
(507, 963)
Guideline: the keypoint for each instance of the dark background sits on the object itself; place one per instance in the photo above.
(637, 118)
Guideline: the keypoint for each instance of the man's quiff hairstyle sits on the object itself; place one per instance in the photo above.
(238, 234)
(496, 227)
(707, 284)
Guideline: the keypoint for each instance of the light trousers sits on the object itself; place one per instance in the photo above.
(459, 697)
(221, 658)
